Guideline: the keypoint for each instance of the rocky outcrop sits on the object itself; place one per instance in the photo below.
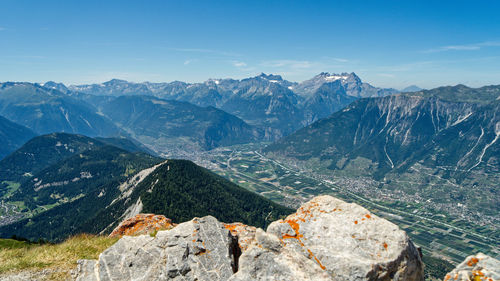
(326, 239)
(343, 240)
(201, 249)
(476, 268)
(271, 259)
(142, 224)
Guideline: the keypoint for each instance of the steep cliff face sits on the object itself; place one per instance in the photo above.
(326, 239)
(389, 131)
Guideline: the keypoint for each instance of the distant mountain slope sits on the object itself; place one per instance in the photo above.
(180, 189)
(350, 82)
(127, 144)
(47, 110)
(264, 102)
(412, 88)
(63, 196)
(96, 189)
(446, 137)
(325, 100)
(12, 136)
(277, 106)
(44, 151)
(462, 93)
(173, 124)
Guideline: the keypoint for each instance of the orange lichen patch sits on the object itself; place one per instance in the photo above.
(447, 277)
(245, 234)
(472, 261)
(477, 273)
(142, 224)
(385, 245)
(311, 255)
(296, 227)
(232, 227)
(355, 222)
(368, 216)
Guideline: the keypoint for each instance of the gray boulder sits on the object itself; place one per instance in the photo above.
(201, 249)
(270, 259)
(343, 240)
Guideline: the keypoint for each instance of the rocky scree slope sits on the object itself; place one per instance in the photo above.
(326, 239)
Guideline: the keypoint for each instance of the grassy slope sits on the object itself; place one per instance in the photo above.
(18, 256)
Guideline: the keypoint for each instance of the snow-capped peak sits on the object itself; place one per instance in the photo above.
(334, 77)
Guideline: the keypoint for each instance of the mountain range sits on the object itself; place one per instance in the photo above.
(276, 106)
(160, 124)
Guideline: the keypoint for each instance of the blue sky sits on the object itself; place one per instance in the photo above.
(387, 43)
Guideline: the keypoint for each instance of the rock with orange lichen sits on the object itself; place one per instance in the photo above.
(244, 233)
(344, 241)
(142, 224)
(476, 268)
(200, 249)
(269, 259)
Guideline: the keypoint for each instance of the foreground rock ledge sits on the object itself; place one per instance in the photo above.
(479, 267)
(326, 239)
(343, 240)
